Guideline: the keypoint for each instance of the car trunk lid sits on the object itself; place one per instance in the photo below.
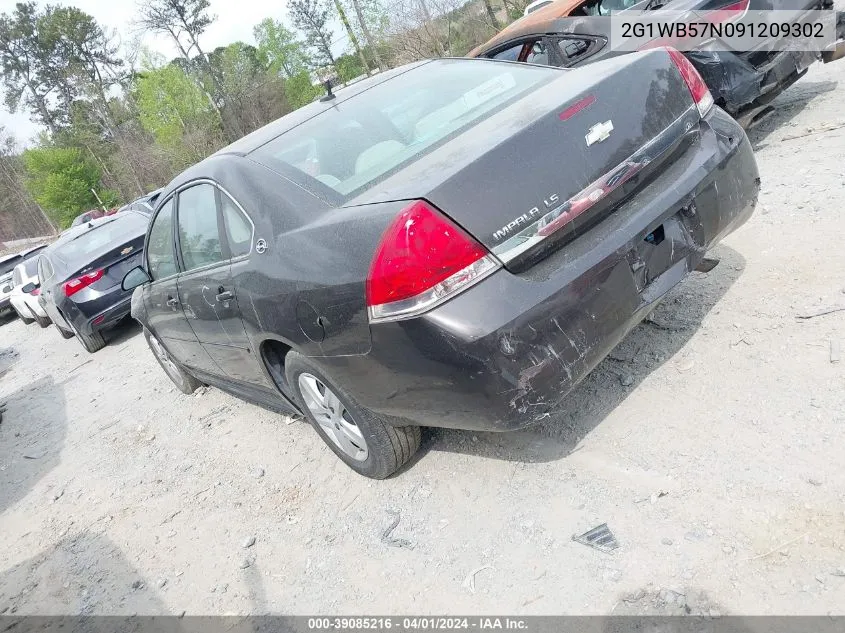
(523, 182)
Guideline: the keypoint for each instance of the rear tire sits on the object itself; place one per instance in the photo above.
(386, 448)
(184, 381)
(26, 320)
(92, 342)
(42, 321)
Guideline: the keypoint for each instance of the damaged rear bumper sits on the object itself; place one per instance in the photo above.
(504, 353)
(747, 80)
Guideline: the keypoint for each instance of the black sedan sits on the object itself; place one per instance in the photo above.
(81, 273)
(460, 261)
(742, 82)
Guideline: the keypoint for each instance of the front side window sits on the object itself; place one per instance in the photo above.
(199, 234)
(357, 142)
(160, 257)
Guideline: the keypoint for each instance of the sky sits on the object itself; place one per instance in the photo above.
(235, 21)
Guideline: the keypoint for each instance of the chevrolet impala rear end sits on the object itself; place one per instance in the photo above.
(479, 236)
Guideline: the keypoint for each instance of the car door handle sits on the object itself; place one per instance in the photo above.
(225, 295)
(172, 302)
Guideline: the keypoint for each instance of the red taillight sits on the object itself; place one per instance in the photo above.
(698, 89)
(36, 292)
(728, 13)
(422, 259)
(75, 285)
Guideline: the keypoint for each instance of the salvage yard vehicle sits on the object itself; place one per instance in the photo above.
(743, 83)
(80, 276)
(7, 284)
(7, 265)
(26, 304)
(466, 270)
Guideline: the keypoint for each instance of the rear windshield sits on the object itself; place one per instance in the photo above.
(112, 232)
(8, 265)
(390, 125)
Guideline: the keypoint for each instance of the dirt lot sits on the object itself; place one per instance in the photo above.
(710, 442)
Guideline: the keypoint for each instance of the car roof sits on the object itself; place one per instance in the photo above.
(539, 21)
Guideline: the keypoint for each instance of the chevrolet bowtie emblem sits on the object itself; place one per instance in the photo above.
(126, 250)
(599, 132)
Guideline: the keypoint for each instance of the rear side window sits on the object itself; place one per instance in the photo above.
(372, 134)
(9, 265)
(238, 227)
(510, 54)
(199, 234)
(45, 269)
(161, 259)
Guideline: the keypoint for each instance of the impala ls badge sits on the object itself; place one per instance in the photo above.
(599, 132)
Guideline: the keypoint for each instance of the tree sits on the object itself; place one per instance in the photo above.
(176, 112)
(20, 215)
(491, 15)
(184, 21)
(299, 91)
(365, 16)
(345, 21)
(251, 95)
(312, 17)
(278, 48)
(23, 60)
(82, 57)
(63, 181)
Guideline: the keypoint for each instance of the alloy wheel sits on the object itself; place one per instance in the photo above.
(330, 413)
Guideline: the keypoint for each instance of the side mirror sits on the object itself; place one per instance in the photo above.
(134, 278)
(28, 288)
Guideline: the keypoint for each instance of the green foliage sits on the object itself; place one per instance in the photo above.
(60, 179)
(299, 91)
(349, 67)
(313, 18)
(279, 50)
(170, 103)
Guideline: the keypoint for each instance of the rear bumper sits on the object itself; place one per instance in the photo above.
(740, 81)
(27, 305)
(95, 316)
(505, 352)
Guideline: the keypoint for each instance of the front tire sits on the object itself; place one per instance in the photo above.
(363, 440)
(42, 321)
(65, 334)
(184, 382)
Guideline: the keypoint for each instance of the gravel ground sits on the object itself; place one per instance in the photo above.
(710, 442)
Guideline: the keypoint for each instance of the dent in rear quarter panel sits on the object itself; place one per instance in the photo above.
(307, 289)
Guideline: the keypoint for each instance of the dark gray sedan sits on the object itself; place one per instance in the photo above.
(454, 243)
(80, 276)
